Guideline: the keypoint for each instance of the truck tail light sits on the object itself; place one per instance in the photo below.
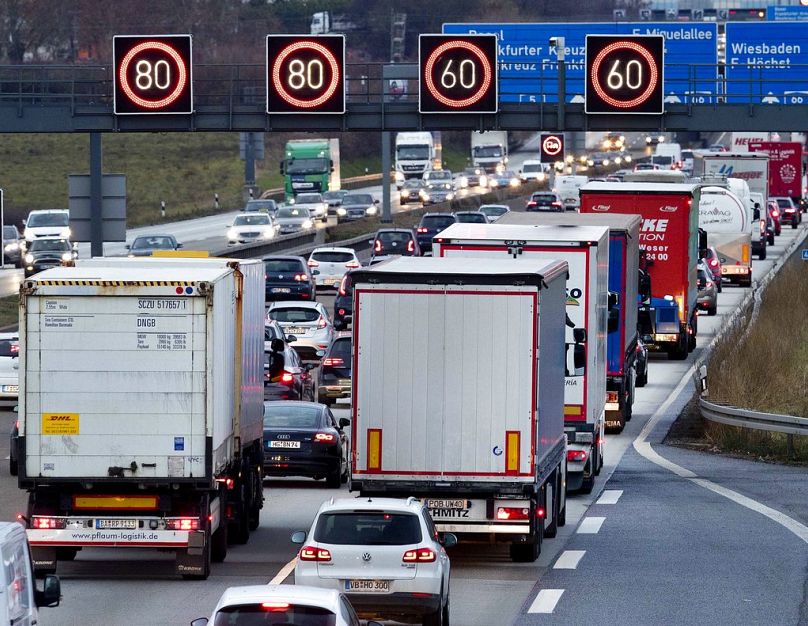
(48, 523)
(313, 263)
(302, 278)
(611, 396)
(324, 437)
(287, 378)
(512, 513)
(334, 361)
(183, 523)
(310, 553)
(680, 302)
(576, 455)
(421, 555)
(352, 265)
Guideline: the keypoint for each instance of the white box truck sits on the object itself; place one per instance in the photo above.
(457, 409)
(489, 150)
(415, 155)
(141, 407)
(586, 251)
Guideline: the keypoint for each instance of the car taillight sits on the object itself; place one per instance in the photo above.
(713, 262)
(512, 513)
(287, 378)
(421, 555)
(378, 246)
(410, 246)
(790, 210)
(341, 311)
(309, 553)
(324, 437)
(531, 203)
(321, 323)
(313, 263)
(352, 265)
(17, 424)
(775, 213)
(48, 523)
(556, 203)
(576, 455)
(421, 230)
(302, 278)
(333, 362)
(183, 523)
(14, 348)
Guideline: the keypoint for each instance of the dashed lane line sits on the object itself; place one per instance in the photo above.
(590, 525)
(285, 571)
(569, 559)
(610, 496)
(546, 601)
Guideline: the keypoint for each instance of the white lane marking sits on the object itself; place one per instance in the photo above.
(285, 571)
(569, 559)
(643, 447)
(590, 525)
(546, 601)
(610, 496)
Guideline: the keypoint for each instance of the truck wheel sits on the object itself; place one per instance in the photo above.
(770, 239)
(12, 467)
(525, 552)
(588, 484)
(239, 531)
(712, 310)
(762, 253)
(628, 411)
(66, 554)
(794, 223)
(642, 378)
(552, 530)
(218, 549)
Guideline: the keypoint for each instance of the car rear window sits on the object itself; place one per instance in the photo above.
(332, 257)
(702, 275)
(437, 221)
(259, 615)
(373, 528)
(294, 314)
(291, 416)
(9, 347)
(280, 266)
(471, 218)
(390, 237)
(784, 203)
(543, 197)
(493, 210)
(341, 349)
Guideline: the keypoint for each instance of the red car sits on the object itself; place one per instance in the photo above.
(788, 211)
(713, 262)
(774, 213)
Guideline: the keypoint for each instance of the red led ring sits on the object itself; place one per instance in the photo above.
(124, 82)
(326, 95)
(625, 104)
(476, 96)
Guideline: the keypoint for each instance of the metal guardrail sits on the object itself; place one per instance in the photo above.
(743, 418)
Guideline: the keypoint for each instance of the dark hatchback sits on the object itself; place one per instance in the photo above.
(304, 439)
(285, 377)
(545, 201)
(431, 224)
(45, 253)
(395, 241)
(334, 380)
(343, 303)
(289, 278)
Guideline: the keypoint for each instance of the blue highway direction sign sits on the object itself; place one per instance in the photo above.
(528, 63)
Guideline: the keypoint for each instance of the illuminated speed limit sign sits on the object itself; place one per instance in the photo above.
(624, 74)
(551, 147)
(152, 74)
(458, 74)
(305, 74)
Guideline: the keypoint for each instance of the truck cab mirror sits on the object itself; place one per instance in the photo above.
(51, 592)
(276, 345)
(756, 212)
(579, 335)
(614, 320)
(579, 358)
(282, 168)
(200, 621)
(614, 299)
(644, 285)
(179, 245)
(702, 239)
(332, 165)
(344, 422)
(128, 247)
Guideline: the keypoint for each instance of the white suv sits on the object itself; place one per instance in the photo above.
(333, 264)
(384, 554)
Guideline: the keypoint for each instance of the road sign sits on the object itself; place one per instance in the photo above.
(805, 254)
(457, 74)
(767, 62)
(787, 13)
(305, 74)
(624, 74)
(528, 64)
(113, 207)
(153, 74)
(551, 147)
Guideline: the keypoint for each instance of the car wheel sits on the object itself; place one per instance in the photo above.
(334, 479)
(762, 254)
(642, 379)
(218, 548)
(770, 239)
(794, 224)
(712, 310)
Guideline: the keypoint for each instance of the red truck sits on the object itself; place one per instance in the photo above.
(785, 167)
(669, 254)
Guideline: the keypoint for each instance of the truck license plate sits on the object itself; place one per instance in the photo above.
(116, 524)
(367, 586)
(447, 504)
(11, 389)
(284, 444)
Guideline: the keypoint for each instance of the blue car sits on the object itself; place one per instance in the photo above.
(289, 278)
(431, 224)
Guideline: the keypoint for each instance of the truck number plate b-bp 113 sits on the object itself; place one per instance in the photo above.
(116, 524)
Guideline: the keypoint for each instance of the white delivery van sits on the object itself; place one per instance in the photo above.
(672, 150)
(533, 170)
(568, 187)
(22, 599)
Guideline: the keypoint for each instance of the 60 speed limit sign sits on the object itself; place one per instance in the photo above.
(625, 74)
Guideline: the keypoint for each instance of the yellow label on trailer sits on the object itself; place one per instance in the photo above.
(60, 423)
(182, 254)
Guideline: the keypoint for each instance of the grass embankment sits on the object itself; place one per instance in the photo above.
(767, 371)
(9, 310)
(184, 169)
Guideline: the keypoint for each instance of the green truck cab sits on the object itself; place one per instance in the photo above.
(310, 166)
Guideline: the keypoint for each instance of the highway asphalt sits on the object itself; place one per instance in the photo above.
(667, 549)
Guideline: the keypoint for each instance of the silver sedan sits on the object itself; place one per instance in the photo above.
(308, 322)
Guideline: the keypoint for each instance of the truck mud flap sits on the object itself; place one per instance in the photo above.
(195, 560)
(44, 559)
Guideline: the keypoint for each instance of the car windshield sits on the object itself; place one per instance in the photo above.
(358, 199)
(333, 195)
(367, 528)
(331, 256)
(10, 232)
(440, 175)
(309, 198)
(393, 236)
(487, 151)
(531, 167)
(472, 171)
(251, 220)
(412, 153)
(493, 210)
(687, 154)
(293, 213)
(260, 205)
(36, 220)
(283, 266)
(413, 184)
(471, 218)
(258, 615)
(291, 415)
(11, 347)
(162, 243)
(61, 245)
(294, 314)
(437, 221)
(307, 166)
(341, 349)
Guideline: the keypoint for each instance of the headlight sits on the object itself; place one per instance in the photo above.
(618, 161)
(449, 196)
(464, 182)
(307, 224)
(268, 233)
(648, 140)
(371, 210)
(661, 139)
(483, 180)
(426, 197)
(514, 182)
(29, 258)
(627, 159)
(494, 183)
(500, 168)
(540, 177)
(232, 234)
(341, 212)
(65, 232)
(67, 256)
(405, 193)
(399, 177)
(10, 247)
(605, 161)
